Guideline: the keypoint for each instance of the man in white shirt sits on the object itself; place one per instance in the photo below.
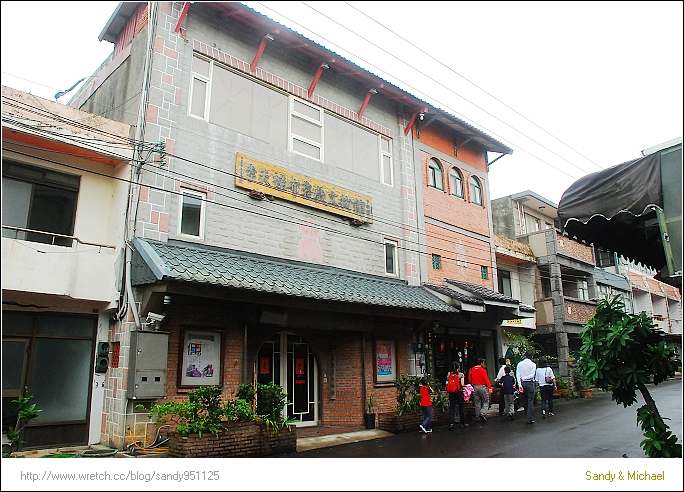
(499, 375)
(526, 371)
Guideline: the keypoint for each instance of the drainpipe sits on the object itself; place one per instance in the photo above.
(135, 172)
(363, 371)
(129, 286)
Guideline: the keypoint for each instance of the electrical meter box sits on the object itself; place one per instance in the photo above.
(147, 369)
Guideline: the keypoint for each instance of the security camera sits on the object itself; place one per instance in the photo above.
(155, 318)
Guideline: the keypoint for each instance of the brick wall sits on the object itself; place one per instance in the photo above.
(443, 206)
(462, 257)
(574, 248)
(238, 439)
(579, 311)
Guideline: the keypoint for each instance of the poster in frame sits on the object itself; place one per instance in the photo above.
(385, 361)
(200, 358)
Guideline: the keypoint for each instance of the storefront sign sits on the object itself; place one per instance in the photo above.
(201, 358)
(275, 181)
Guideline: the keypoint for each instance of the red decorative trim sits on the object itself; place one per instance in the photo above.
(410, 123)
(315, 81)
(259, 52)
(364, 104)
(181, 18)
(279, 82)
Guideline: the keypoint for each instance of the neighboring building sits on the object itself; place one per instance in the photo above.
(65, 182)
(516, 269)
(572, 276)
(279, 234)
(459, 263)
(660, 300)
(565, 286)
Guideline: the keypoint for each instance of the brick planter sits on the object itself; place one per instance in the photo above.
(240, 439)
(409, 421)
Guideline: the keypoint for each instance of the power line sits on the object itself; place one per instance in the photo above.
(443, 85)
(473, 83)
(288, 218)
(420, 92)
(487, 250)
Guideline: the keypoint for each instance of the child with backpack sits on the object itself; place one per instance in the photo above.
(425, 405)
(454, 388)
(508, 386)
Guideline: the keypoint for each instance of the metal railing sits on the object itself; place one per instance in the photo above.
(54, 238)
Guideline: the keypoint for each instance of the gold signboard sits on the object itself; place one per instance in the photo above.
(516, 321)
(272, 180)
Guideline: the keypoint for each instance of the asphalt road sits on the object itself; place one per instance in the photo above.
(594, 427)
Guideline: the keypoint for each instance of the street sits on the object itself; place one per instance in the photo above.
(594, 427)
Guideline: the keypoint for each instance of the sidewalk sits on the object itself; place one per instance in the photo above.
(307, 443)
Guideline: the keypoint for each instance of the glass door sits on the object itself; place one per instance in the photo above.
(287, 360)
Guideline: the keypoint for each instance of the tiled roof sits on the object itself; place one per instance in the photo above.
(528, 308)
(455, 295)
(247, 271)
(481, 291)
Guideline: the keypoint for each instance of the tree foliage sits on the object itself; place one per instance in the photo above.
(620, 353)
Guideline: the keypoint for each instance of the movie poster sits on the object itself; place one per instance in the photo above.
(385, 361)
(201, 358)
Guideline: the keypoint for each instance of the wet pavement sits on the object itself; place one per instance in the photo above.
(581, 428)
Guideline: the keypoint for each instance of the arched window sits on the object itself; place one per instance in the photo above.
(435, 178)
(475, 191)
(456, 182)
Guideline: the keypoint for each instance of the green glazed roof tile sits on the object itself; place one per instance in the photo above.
(240, 270)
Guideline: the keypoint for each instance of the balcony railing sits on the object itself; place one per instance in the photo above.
(53, 238)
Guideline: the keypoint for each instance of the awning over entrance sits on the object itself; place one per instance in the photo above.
(633, 209)
(476, 298)
(251, 272)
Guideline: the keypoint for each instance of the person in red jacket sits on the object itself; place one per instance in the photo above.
(425, 405)
(482, 388)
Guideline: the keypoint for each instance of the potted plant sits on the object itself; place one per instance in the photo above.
(369, 417)
(562, 388)
(581, 383)
(206, 426)
(27, 411)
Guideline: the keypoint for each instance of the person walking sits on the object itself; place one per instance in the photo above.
(478, 377)
(546, 380)
(526, 372)
(425, 405)
(497, 384)
(508, 387)
(454, 388)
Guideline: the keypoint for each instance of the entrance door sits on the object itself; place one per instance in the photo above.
(286, 359)
(14, 357)
(445, 349)
(52, 354)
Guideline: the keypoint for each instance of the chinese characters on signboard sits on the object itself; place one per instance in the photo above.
(272, 180)
(385, 361)
(201, 358)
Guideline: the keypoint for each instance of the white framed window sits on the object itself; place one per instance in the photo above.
(391, 257)
(456, 182)
(198, 105)
(191, 214)
(582, 290)
(386, 167)
(532, 224)
(475, 191)
(306, 129)
(435, 175)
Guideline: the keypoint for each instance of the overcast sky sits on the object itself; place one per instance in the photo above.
(572, 87)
